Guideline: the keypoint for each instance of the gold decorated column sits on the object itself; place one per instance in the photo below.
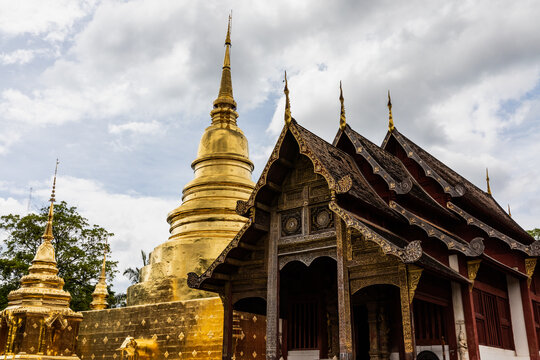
(206, 220)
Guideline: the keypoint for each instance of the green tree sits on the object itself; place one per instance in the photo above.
(535, 233)
(79, 250)
(133, 274)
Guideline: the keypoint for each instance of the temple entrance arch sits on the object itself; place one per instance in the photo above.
(308, 309)
(377, 322)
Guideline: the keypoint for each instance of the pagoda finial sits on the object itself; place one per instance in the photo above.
(342, 119)
(509, 212)
(288, 117)
(100, 294)
(228, 37)
(390, 118)
(225, 97)
(48, 235)
(487, 182)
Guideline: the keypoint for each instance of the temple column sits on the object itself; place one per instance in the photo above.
(517, 316)
(459, 313)
(406, 316)
(344, 298)
(226, 298)
(470, 323)
(272, 291)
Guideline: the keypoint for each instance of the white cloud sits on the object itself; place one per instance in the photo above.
(53, 18)
(20, 56)
(141, 128)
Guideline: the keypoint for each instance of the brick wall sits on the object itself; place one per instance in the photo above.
(191, 329)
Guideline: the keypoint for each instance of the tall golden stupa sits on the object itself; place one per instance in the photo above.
(206, 220)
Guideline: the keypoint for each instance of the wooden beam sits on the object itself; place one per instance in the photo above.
(260, 227)
(234, 262)
(221, 276)
(263, 206)
(247, 246)
(273, 186)
(285, 163)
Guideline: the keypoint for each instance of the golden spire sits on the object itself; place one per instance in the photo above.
(487, 181)
(509, 212)
(48, 235)
(100, 294)
(342, 119)
(288, 117)
(390, 118)
(225, 96)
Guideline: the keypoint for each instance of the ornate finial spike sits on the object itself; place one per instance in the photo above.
(288, 117)
(390, 118)
(225, 99)
(228, 37)
(509, 212)
(48, 235)
(54, 182)
(342, 119)
(487, 181)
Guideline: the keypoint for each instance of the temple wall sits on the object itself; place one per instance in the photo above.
(190, 329)
(488, 352)
(173, 330)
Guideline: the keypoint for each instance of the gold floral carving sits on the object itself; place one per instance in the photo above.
(472, 271)
(530, 265)
(414, 273)
(405, 311)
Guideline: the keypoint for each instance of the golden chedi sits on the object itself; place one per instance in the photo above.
(38, 323)
(206, 221)
(100, 294)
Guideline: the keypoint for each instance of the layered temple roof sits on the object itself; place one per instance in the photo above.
(396, 195)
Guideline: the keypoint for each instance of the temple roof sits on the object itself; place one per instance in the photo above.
(460, 190)
(405, 217)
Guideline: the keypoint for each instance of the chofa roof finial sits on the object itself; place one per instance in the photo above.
(288, 117)
(390, 118)
(487, 182)
(342, 118)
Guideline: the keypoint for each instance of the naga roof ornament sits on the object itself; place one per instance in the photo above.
(288, 117)
(342, 119)
(390, 118)
(487, 182)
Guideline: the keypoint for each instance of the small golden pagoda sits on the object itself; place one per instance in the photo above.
(206, 220)
(100, 294)
(38, 323)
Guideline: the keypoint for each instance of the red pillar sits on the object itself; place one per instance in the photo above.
(470, 323)
(529, 320)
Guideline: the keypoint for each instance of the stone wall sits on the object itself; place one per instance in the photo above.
(175, 330)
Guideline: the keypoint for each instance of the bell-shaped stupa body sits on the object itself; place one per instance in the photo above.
(206, 221)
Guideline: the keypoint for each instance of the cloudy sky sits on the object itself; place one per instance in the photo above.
(120, 92)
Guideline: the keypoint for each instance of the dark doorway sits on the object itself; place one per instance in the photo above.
(308, 307)
(377, 330)
(361, 333)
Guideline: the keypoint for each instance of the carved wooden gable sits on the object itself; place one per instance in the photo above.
(306, 223)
